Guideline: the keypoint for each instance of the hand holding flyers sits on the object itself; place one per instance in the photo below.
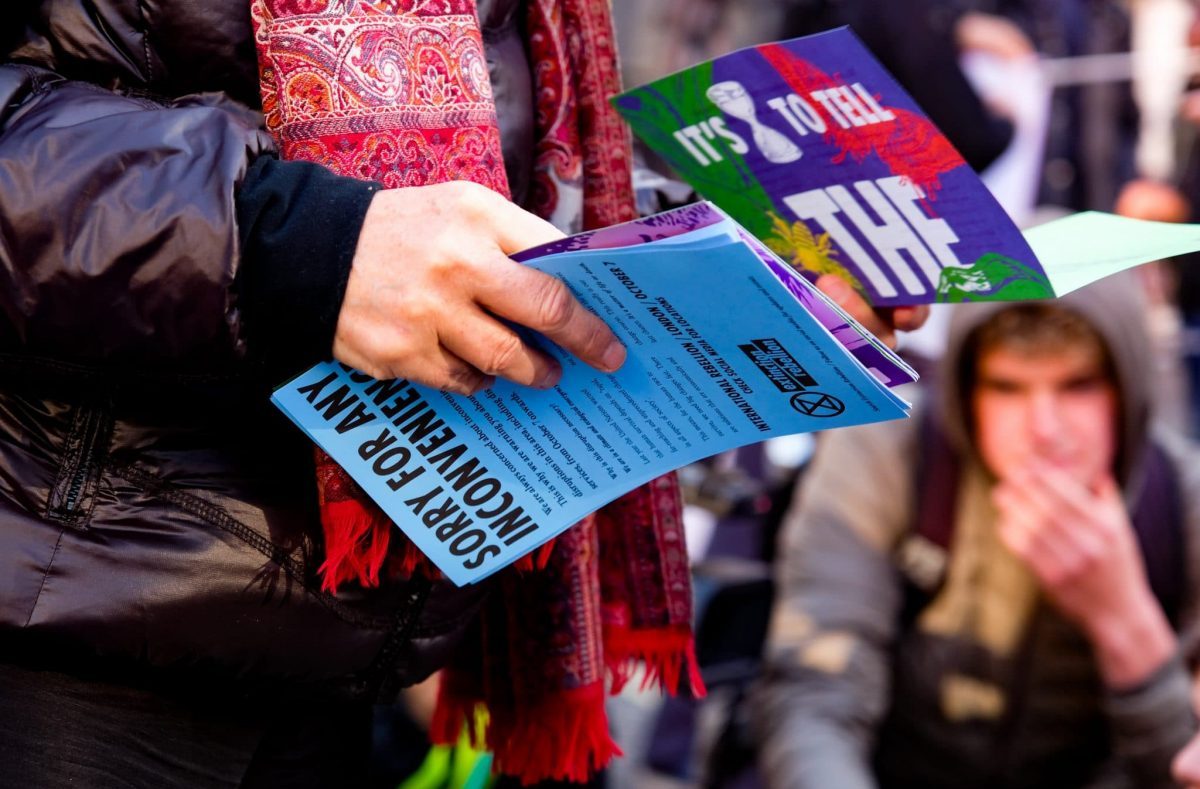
(423, 304)
(727, 346)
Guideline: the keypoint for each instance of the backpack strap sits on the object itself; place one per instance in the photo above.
(922, 554)
(1158, 522)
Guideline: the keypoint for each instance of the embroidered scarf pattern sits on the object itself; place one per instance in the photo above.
(397, 91)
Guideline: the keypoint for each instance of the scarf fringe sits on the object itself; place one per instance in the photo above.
(356, 544)
(458, 709)
(565, 738)
(665, 652)
(535, 559)
(356, 547)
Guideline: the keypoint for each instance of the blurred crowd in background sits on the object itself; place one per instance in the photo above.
(911, 630)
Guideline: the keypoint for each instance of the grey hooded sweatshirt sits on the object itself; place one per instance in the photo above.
(984, 684)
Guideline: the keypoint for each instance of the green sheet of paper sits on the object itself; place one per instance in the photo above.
(1083, 248)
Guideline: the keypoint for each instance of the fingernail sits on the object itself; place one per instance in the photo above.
(477, 385)
(549, 378)
(614, 357)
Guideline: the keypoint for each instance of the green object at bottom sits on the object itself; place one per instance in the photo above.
(452, 767)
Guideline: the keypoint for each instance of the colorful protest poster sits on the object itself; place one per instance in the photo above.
(721, 354)
(817, 151)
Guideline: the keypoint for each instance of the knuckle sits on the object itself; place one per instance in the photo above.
(379, 367)
(596, 341)
(555, 303)
(389, 361)
(470, 197)
(448, 260)
(351, 347)
(461, 380)
(503, 353)
(376, 371)
(414, 309)
(453, 266)
(416, 312)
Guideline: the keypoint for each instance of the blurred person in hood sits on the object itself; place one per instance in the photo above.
(995, 590)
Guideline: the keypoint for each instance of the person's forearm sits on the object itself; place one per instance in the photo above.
(1131, 645)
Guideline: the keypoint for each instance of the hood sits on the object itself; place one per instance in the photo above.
(1116, 309)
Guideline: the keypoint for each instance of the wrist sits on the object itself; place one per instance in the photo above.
(1132, 642)
(299, 225)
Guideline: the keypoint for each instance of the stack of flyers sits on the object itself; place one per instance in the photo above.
(727, 346)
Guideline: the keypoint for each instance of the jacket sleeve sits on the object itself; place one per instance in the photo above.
(125, 225)
(1152, 722)
(826, 687)
(1150, 725)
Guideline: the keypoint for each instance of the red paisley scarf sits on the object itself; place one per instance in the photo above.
(397, 91)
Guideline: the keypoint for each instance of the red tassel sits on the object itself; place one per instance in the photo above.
(535, 559)
(565, 738)
(356, 543)
(412, 562)
(666, 653)
(356, 546)
(455, 709)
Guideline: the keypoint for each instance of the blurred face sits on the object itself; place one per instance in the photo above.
(1187, 765)
(1060, 407)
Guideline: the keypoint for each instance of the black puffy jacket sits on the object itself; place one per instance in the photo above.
(155, 510)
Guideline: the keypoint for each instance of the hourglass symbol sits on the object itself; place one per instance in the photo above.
(736, 101)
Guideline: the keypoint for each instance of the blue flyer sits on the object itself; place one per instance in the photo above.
(721, 354)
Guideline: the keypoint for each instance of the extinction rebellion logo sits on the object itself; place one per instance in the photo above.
(817, 404)
(790, 377)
